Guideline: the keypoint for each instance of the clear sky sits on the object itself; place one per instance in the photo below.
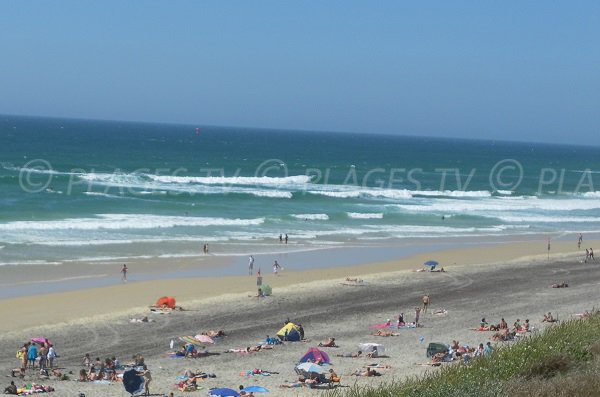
(516, 70)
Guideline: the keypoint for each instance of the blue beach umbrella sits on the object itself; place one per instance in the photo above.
(431, 264)
(255, 389)
(223, 392)
(132, 382)
(309, 368)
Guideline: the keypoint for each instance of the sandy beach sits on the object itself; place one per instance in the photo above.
(502, 280)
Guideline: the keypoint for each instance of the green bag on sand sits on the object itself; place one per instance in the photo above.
(266, 290)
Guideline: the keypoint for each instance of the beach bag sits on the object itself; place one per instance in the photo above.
(19, 354)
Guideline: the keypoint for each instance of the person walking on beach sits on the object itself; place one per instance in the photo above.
(124, 273)
(417, 315)
(205, 249)
(587, 255)
(280, 238)
(579, 241)
(425, 303)
(276, 267)
(286, 238)
(592, 255)
(250, 265)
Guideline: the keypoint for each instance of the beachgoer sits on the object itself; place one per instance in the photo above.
(352, 355)
(592, 254)
(147, 379)
(333, 377)
(488, 349)
(503, 324)
(260, 294)
(417, 314)
(548, 318)
(280, 238)
(51, 355)
(384, 333)
(400, 322)
(587, 255)
(276, 267)
(425, 300)
(32, 353)
(250, 265)
(329, 343)
(124, 273)
(579, 241)
(483, 325)
(11, 389)
(205, 248)
(86, 360)
(258, 278)
(286, 238)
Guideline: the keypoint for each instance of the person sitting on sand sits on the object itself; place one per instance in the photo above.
(329, 343)
(11, 389)
(455, 345)
(503, 324)
(351, 355)
(517, 326)
(333, 377)
(483, 325)
(440, 270)
(561, 285)
(526, 325)
(549, 318)
(439, 357)
(380, 332)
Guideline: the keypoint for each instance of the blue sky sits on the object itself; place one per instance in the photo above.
(520, 70)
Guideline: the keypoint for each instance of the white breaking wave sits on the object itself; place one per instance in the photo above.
(312, 217)
(452, 193)
(126, 221)
(591, 194)
(361, 215)
(233, 180)
(505, 192)
(340, 191)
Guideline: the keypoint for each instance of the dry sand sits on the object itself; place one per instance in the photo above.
(512, 284)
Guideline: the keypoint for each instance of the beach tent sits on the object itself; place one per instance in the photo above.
(165, 301)
(133, 383)
(376, 348)
(431, 264)
(314, 355)
(289, 332)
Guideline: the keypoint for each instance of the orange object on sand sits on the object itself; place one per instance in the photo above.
(166, 301)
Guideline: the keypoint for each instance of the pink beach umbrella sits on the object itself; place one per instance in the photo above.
(204, 338)
(41, 340)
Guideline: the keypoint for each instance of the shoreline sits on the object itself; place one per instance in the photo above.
(108, 300)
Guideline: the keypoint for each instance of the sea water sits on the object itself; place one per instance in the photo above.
(78, 190)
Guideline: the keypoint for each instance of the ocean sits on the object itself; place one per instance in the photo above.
(79, 190)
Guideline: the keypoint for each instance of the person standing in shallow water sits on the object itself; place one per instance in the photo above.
(250, 265)
(124, 273)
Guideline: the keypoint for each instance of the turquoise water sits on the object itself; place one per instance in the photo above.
(76, 190)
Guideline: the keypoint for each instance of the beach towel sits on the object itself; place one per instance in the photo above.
(391, 326)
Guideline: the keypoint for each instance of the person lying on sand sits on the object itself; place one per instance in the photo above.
(384, 333)
(432, 364)
(369, 372)
(503, 335)
(351, 355)
(584, 316)
(329, 343)
(300, 383)
(440, 270)
(213, 333)
(440, 312)
(354, 280)
(144, 319)
(561, 285)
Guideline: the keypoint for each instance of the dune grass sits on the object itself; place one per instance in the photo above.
(564, 360)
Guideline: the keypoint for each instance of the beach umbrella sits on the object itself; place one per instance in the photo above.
(223, 392)
(132, 382)
(255, 389)
(204, 338)
(41, 340)
(190, 339)
(431, 264)
(372, 347)
(309, 368)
